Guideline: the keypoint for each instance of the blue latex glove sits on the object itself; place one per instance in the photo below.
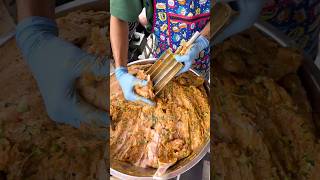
(56, 65)
(200, 44)
(127, 83)
(249, 12)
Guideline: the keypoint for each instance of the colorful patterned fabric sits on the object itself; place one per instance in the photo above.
(299, 19)
(175, 21)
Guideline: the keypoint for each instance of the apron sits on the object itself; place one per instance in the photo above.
(175, 21)
(300, 20)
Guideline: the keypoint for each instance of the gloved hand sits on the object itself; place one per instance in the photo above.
(200, 44)
(127, 83)
(249, 11)
(56, 65)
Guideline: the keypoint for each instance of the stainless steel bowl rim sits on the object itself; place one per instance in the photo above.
(172, 174)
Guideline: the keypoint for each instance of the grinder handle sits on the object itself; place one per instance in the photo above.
(183, 49)
(193, 38)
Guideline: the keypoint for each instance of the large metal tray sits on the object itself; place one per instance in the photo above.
(124, 170)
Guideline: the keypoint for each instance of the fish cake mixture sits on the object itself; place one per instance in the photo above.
(159, 136)
(263, 124)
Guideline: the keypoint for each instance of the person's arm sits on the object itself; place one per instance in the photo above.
(143, 18)
(119, 41)
(119, 32)
(56, 65)
(206, 31)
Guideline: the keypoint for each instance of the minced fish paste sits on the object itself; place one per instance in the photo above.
(159, 136)
(263, 125)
